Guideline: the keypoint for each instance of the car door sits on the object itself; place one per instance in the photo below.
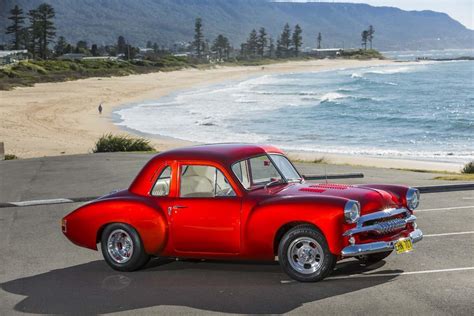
(205, 214)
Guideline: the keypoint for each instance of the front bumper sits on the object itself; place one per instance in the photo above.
(379, 246)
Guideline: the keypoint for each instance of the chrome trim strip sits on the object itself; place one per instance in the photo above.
(379, 246)
(380, 215)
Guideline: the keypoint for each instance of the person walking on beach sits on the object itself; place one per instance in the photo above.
(100, 108)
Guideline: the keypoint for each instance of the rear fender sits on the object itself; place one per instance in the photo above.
(84, 225)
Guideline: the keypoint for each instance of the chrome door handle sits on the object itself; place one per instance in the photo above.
(174, 207)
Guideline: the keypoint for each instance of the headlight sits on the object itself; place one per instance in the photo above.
(413, 198)
(351, 211)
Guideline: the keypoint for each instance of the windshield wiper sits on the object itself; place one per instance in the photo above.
(274, 182)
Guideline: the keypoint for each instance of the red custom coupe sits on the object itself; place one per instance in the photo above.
(238, 201)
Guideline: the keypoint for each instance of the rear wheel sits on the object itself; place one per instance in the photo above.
(304, 254)
(373, 258)
(122, 248)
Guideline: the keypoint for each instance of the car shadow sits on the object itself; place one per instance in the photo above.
(230, 287)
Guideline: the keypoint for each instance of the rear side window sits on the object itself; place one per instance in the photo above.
(162, 184)
(204, 182)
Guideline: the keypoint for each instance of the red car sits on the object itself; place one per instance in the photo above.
(238, 201)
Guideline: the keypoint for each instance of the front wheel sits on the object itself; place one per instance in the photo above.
(122, 248)
(304, 254)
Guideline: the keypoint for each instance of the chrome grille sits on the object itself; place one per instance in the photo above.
(385, 227)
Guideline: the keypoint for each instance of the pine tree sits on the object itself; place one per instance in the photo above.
(61, 46)
(198, 37)
(252, 43)
(121, 45)
(364, 35)
(285, 41)
(221, 46)
(370, 35)
(32, 36)
(271, 48)
(261, 42)
(46, 28)
(320, 38)
(297, 39)
(16, 28)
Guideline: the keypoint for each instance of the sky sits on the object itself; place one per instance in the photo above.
(460, 10)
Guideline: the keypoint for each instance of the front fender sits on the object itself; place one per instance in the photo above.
(265, 220)
(83, 226)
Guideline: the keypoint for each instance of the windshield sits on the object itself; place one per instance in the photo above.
(259, 171)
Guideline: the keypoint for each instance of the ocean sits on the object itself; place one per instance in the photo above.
(422, 111)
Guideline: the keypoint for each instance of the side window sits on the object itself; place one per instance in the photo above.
(241, 170)
(203, 181)
(162, 184)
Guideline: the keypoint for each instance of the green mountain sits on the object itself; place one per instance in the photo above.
(170, 21)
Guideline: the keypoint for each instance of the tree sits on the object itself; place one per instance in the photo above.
(149, 44)
(82, 47)
(121, 45)
(156, 48)
(61, 46)
(320, 38)
(16, 27)
(32, 35)
(271, 48)
(95, 50)
(297, 39)
(261, 41)
(284, 43)
(365, 35)
(198, 37)
(370, 35)
(46, 28)
(221, 46)
(252, 43)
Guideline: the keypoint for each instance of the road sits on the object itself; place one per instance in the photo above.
(42, 272)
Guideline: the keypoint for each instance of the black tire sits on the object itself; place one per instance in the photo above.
(374, 258)
(324, 259)
(137, 257)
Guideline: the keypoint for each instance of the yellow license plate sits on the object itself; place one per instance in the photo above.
(403, 245)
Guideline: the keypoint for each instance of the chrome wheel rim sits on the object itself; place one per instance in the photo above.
(120, 246)
(305, 255)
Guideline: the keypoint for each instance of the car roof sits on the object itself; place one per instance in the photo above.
(224, 154)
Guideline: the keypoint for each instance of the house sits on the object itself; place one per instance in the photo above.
(326, 52)
(12, 56)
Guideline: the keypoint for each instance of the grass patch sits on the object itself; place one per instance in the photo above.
(457, 177)
(119, 143)
(10, 157)
(468, 168)
(363, 54)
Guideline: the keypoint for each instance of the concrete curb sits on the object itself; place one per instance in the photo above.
(334, 176)
(446, 188)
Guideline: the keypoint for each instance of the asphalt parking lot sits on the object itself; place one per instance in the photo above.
(42, 272)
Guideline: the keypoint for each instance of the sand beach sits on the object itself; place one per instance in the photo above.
(51, 119)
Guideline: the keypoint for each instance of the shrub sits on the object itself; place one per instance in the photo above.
(114, 143)
(468, 168)
(10, 157)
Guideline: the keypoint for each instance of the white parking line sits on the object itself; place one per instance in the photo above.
(373, 275)
(446, 208)
(449, 234)
(40, 202)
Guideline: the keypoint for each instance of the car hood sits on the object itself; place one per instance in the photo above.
(371, 199)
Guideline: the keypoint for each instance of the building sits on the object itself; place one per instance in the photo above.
(326, 52)
(12, 56)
